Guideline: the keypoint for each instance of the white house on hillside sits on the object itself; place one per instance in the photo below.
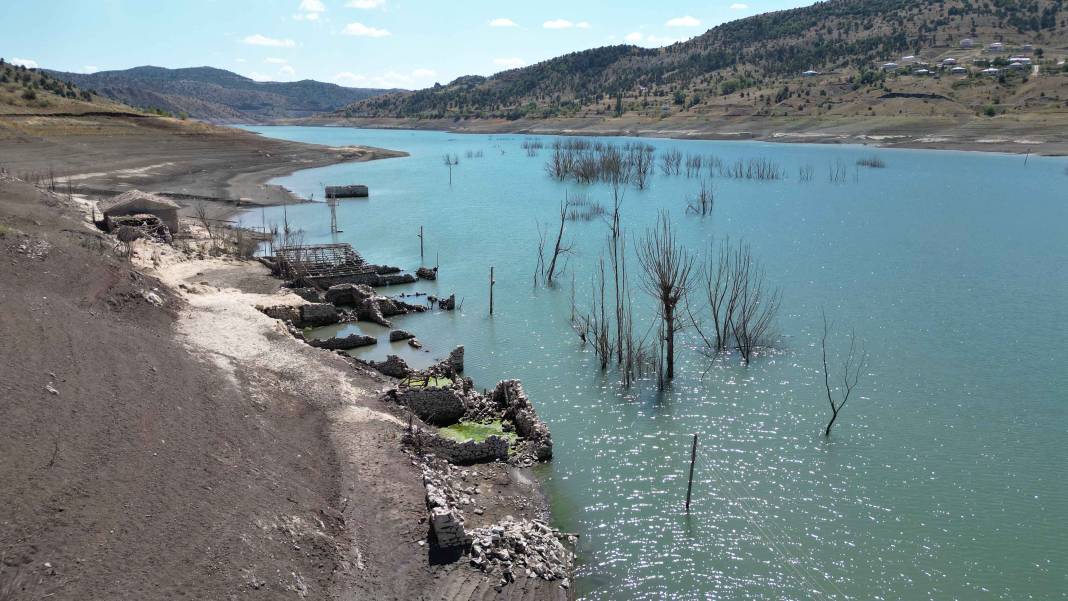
(967, 43)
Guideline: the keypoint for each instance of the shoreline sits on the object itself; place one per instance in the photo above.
(289, 453)
(1019, 136)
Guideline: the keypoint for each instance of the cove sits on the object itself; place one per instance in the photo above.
(943, 479)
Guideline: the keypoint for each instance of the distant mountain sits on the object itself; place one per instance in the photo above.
(216, 94)
(754, 66)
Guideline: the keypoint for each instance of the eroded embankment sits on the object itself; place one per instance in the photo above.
(411, 520)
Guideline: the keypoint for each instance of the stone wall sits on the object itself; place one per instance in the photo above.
(494, 448)
(438, 406)
(512, 399)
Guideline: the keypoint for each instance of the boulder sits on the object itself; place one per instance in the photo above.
(427, 273)
(288, 313)
(318, 314)
(349, 294)
(398, 335)
(343, 342)
(393, 366)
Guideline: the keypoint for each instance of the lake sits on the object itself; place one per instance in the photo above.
(945, 476)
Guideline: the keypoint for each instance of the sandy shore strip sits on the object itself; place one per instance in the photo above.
(191, 162)
(1025, 134)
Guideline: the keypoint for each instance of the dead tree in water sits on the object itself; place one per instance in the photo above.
(594, 326)
(640, 156)
(741, 305)
(706, 198)
(852, 366)
(560, 248)
(450, 162)
(668, 268)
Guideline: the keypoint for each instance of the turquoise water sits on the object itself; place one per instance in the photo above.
(944, 479)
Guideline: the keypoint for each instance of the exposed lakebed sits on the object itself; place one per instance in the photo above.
(944, 478)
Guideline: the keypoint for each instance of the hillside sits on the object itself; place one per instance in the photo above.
(216, 94)
(31, 91)
(752, 69)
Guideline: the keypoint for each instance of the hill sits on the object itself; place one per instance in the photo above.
(31, 91)
(217, 95)
(754, 69)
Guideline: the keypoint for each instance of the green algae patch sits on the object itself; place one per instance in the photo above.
(475, 431)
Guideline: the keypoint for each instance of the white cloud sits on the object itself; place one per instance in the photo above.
(558, 24)
(650, 40)
(583, 25)
(686, 21)
(90, 68)
(739, 6)
(239, 60)
(259, 76)
(363, 31)
(275, 61)
(348, 78)
(365, 4)
(310, 10)
(287, 70)
(509, 63)
(502, 22)
(25, 62)
(656, 40)
(262, 40)
(417, 78)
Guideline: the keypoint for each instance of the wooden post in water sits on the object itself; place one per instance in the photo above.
(420, 243)
(492, 282)
(693, 459)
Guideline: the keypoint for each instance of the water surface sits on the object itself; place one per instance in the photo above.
(945, 478)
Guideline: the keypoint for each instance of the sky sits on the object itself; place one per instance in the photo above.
(358, 43)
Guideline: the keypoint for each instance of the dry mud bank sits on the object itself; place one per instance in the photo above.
(163, 437)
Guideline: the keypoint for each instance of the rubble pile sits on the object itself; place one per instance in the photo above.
(521, 546)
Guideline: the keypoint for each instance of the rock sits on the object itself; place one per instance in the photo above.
(288, 313)
(309, 294)
(448, 304)
(371, 310)
(391, 280)
(349, 294)
(456, 359)
(318, 314)
(398, 335)
(414, 343)
(427, 273)
(393, 366)
(343, 342)
(448, 528)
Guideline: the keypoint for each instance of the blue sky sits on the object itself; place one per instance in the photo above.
(361, 43)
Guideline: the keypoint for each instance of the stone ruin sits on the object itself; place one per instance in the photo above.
(468, 452)
(446, 520)
(505, 549)
(509, 402)
(529, 546)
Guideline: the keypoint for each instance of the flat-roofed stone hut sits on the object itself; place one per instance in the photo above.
(136, 202)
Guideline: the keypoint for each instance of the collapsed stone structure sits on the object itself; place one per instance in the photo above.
(531, 546)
